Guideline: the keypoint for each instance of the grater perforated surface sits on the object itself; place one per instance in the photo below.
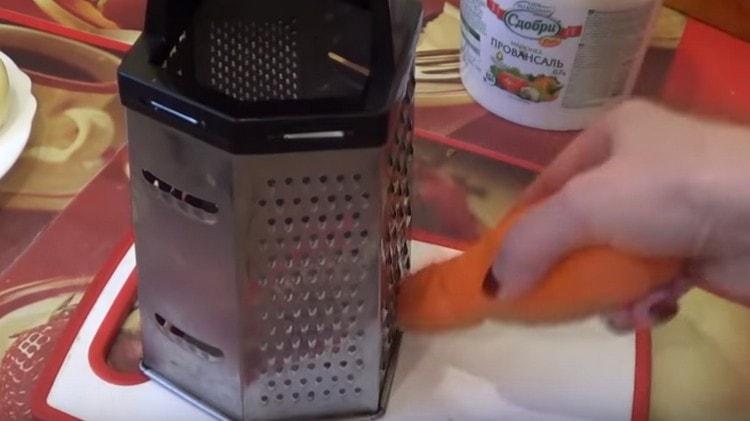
(396, 233)
(312, 323)
(330, 247)
(313, 278)
(248, 56)
(254, 60)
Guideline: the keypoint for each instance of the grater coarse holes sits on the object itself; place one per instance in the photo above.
(312, 323)
(312, 344)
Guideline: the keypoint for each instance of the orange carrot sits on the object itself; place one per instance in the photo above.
(449, 295)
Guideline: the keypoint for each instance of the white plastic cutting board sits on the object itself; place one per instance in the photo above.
(493, 372)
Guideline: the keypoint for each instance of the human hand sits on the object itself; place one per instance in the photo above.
(648, 181)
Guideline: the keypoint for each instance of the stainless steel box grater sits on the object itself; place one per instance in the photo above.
(270, 146)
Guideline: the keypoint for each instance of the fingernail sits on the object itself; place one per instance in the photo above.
(491, 286)
(663, 311)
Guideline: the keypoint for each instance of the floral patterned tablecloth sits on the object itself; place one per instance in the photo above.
(65, 204)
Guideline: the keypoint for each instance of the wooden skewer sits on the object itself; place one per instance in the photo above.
(440, 52)
(349, 64)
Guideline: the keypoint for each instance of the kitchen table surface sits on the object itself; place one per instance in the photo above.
(64, 206)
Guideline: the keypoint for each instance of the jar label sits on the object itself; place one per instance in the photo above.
(544, 52)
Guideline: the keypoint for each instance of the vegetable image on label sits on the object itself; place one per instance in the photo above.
(534, 88)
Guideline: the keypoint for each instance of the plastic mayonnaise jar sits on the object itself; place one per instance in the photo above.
(553, 64)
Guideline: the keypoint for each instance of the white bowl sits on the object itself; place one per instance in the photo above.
(14, 134)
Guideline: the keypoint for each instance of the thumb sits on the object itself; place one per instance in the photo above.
(538, 240)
